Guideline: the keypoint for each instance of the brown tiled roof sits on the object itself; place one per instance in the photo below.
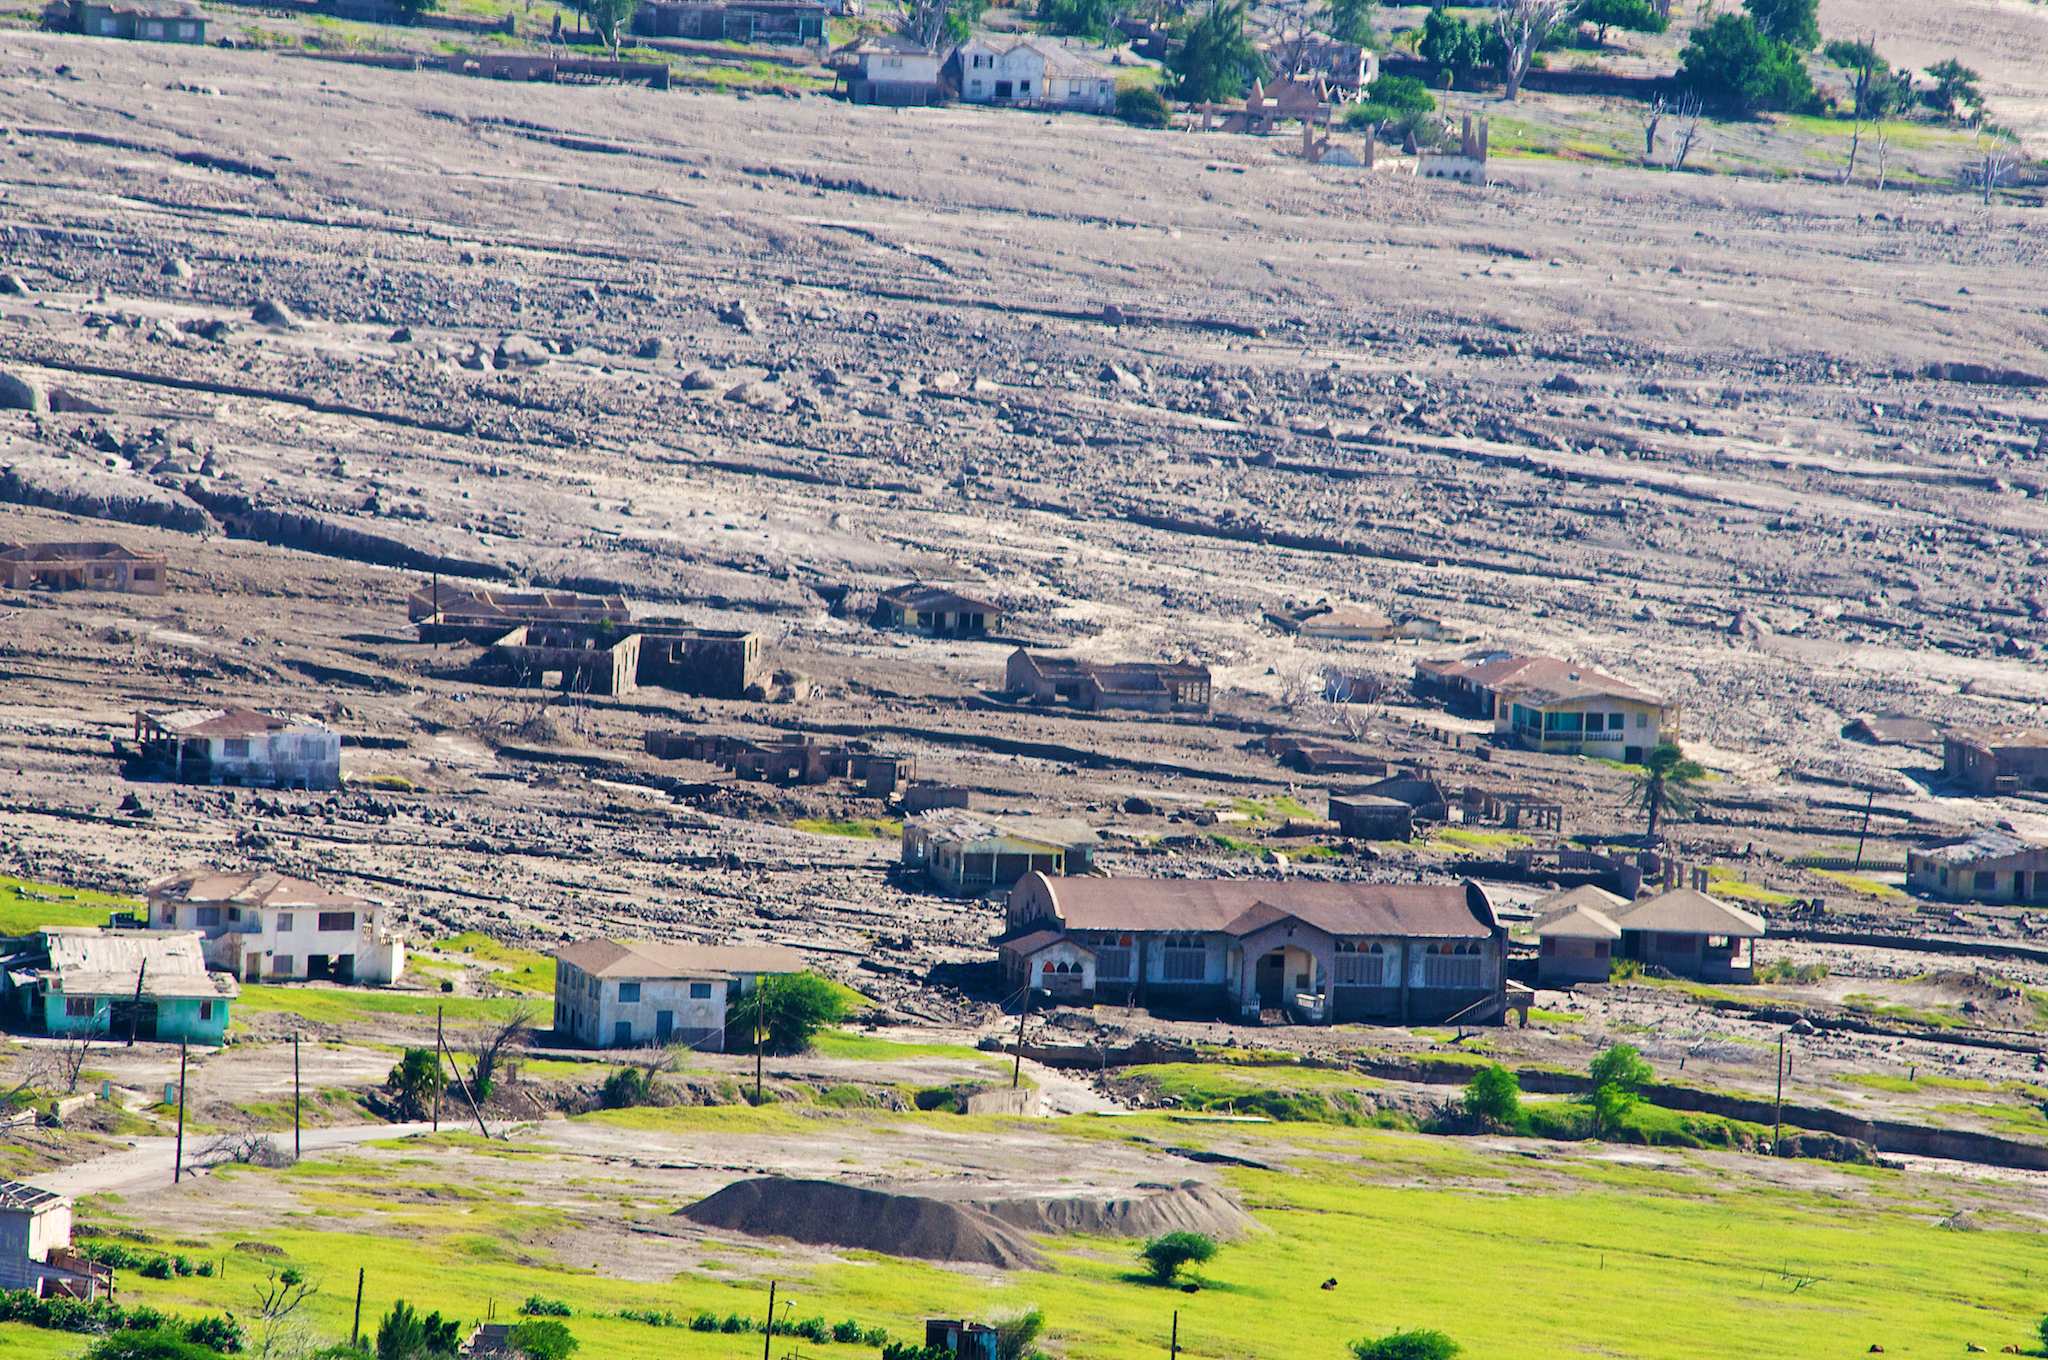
(667, 959)
(1585, 913)
(1539, 677)
(924, 598)
(1687, 911)
(1024, 946)
(1238, 906)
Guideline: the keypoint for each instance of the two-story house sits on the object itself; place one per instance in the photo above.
(1036, 72)
(264, 926)
(628, 993)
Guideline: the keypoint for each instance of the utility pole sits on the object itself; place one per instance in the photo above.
(135, 1010)
(768, 1331)
(1017, 1068)
(438, 1043)
(466, 1095)
(760, 1042)
(1868, 804)
(355, 1330)
(1173, 1345)
(178, 1154)
(1778, 1106)
(297, 1097)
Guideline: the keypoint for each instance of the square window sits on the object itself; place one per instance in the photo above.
(629, 992)
(284, 921)
(235, 748)
(208, 916)
(280, 965)
(337, 920)
(700, 991)
(80, 1007)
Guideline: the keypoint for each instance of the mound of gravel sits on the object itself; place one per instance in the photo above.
(1190, 1206)
(828, 1214)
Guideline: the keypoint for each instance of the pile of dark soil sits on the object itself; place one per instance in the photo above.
(1190, 1206)
(827, 1214)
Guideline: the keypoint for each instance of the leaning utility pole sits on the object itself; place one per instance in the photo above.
(297, 1097)
(178, 1153)
(768, 1328)
(1017, 1068)
(1778, 1105)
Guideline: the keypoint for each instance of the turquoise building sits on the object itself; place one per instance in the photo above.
(77, 980)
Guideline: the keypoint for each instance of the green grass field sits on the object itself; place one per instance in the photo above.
(1606, 1258)
(859, 828)
(334, 1006)
(24, 906)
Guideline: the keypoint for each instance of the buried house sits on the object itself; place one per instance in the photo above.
(964, 852)
(239, 746)
(1319, 952)
(1690, 934)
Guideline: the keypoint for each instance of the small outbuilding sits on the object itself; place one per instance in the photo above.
(1990, 866)
(35, 1247)
(1369, 817)
(1692, 935)
(1576, 935)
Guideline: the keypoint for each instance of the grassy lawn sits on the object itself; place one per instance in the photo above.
(24, 906)
(1858, 883)
(860, 828)
(1724, 882)
(520, 970)
(339, 1006)
(1310, 1095)
(1466, 838)
(842, 1043)
(1412, 1228)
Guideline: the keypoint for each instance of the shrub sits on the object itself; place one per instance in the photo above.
(405, 1335)
(1080, 18)
(1795, 23)
(1450, 45)
(789, 1008)
(222, 1334)
(1143, 106)
(734, 1323)
(536, 1306)
(1733, 65)
(415, 1081)
(1415, 1345)
(626, 1087)
(156, 1268)
(705, 1321)
(1017, 1335)
(543, 1339)
(1635, 16)
(1494, 1097)
(812, 1329)
(1165, 1255)
(1618, 1074)
(157, 1344)
(847, 1333)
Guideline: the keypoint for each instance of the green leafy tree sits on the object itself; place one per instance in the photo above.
(1878, 90)
(415, 1081)
(1217, 59)
(1165, 1256)
(1669, 783)
(2043, 1330)
(1351, 21)
(1618, 1077)
(1633, 16)
(1417, 1345)
(1080, 18)
(1733, 65)
(1494, 1097)
(1143, 106)
(1451, 46)
(785, 1009)
(405, 1335)
(543, 1339)
(1955, 90)
(608, 19)
(1793, 22)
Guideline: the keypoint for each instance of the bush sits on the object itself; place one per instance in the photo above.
(1164, 1256)
(704, 1321)
(789, 1008)
(156, 1268)
(536, 1306)
(903, 1350)
(1735, 66)
(543, 1339)
(1416, 1345)
(157, 1344)
(734, 1324)
(1494, 1098)
(405, 1335)
(1017, 1335)
(1795, 23)
(1080, 18)
(415, 1081)
(1451, 45)
(1143, 106)
(222, 1334)
(1635, 16)
(1618, 1074)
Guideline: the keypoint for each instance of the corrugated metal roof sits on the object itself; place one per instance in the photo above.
(230, 722)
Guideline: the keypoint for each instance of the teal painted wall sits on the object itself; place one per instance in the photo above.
(176, 1018)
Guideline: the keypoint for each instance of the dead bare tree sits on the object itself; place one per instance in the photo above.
(1884, 156)
(496, 1043)
(243, 1149)
(1689, 113)
(1522, 25)
(70, 1060)
(279, 1333)
(928, 21)
(1293, 24)
(1653, 117)
(1993, 169)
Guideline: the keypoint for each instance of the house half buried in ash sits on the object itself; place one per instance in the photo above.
(263, 926)
(1319, 952)
(243, 746)
(964, 852)
(81, 566)
(936, 611)
(88, 980)
(1147, 686)
(629, 993)
(1543, 703)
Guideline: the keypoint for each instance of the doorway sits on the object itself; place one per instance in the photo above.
(1272, 980)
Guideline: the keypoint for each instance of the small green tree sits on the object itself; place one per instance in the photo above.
(1351, 21)
(1143, 106)
(1666, 787)
(1217, 58)
(1416, 1345)
(1451, 46)
(1165, 1256)
(1618, 1074)
(608, 19)
(1017, 1335)
(1734, 66)
(787, 1009)
(1955, 89)
(405, 1335)
(1796, 23)
(1633, 16)
(1080, 18)
(543, 1339)
(1494, 1097)
(1878, 91)
(415, 1081)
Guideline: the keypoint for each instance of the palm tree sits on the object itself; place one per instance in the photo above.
(1666, 787)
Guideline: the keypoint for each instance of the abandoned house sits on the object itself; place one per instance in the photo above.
(964, 852)
(35, 1247)
(1576, 935)
(241, 746)
(1366, 817)
(888, 69)
(1690, 934)
(1892, 729)
(1990, 866)
(774, 22)
(957, 1339)
(1319, 952)
(1094, 685)
(922, 795)
(710, 663)
(627, 993)
(265, 927)
(143, 20)
(88, 980)
(1337, 622)
(1321, 757)
(1424, 795)
(81, 566)
(1996, 760)
(936, 611)
(445, 613)
(1543, 703)
(1036, 72)
(571, 657)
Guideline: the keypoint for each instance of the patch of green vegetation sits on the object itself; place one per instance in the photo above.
(1310, 1095)
(1869, 887)
(1645, 1124)
(329, 1105)
(1905, 135)
(1467, 838)
(1724, 882)
(859, 828)
(1784, 971)
(26, 906)
(1878, 1008)
(1543, 1018)
(1280, 808)
(342, 1006)
(1235, 845)
(874, 1048)
(521, 970)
